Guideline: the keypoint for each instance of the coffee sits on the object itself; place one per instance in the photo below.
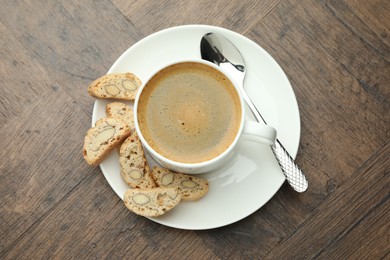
(189, 112)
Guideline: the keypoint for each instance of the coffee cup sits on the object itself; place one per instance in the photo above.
(190, 115)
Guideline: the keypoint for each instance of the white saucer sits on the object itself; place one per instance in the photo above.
(247, 182)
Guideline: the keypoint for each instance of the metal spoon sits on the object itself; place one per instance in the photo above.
(221, 51)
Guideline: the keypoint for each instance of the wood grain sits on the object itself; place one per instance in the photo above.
(54, 206)
(31, 188)
(363, 204)
(238, 16)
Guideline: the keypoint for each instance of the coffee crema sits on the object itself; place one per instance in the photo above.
(189, 112)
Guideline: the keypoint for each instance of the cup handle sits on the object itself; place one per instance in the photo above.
(259, 132)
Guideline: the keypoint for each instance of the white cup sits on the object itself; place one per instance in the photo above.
(257, 132)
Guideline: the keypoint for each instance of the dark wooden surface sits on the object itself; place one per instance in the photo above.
(53, 205)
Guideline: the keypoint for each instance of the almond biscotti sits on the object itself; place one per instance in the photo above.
(116, 85)
(103, 138)
(191, 188)
(151, 202)
(133, 166)
(122, 111)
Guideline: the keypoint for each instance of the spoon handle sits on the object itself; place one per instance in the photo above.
(294, 175)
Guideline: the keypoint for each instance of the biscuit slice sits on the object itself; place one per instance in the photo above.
(191, 188)
(122, 111)
(151, 202)
(103, 138)
(133, 166)
(116, 85)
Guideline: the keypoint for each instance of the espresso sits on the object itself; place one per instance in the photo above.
(189, 112)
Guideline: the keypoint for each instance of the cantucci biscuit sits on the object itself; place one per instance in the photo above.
(116, 85)
(191, 188)
(103, 138)
(151, 202)
(133, 166)
(122, 111)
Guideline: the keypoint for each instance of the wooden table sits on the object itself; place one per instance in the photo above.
(336, 56)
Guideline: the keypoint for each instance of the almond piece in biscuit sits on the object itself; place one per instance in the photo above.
(122, 111)
(103, 138)
(133, 166)
(116, 85)
(151, 202)
(191, 188)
